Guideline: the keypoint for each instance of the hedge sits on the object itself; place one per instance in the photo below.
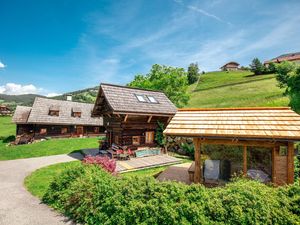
(90, 195)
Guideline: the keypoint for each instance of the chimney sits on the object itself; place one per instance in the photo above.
(69, 98)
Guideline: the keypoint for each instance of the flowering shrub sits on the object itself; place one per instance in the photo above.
(91, 196)
(105, 162)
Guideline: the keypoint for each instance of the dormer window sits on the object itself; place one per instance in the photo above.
(54, 110)
(141, 98)
(152, 99)
(76, 112)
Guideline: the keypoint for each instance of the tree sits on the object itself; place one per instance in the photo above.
(193, 73)
(271, 68)
(257, 67)
(288, 76)
(172, 81)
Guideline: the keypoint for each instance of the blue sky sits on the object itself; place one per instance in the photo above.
(55, 46)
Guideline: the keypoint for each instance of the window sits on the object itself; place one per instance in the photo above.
(136, 140)
(141, 98)
(152, 99)
(96, 130)
(117, 139)
(76, 114)
(283, 150)
(53, 113)
(43, 131)
(149, 137)
(64, 130)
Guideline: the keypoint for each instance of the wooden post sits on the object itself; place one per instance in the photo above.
(245, 161)
(197, 173)
(290, 163)
(274, 165)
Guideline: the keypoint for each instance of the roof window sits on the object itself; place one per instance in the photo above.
(54, 110)
(152, 99)
(141, 98)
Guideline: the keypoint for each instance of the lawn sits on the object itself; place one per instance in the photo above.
(236, 89)
(46, 148)
(38, 182)
(7, 128)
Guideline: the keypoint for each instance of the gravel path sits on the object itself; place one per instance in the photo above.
(17, 205)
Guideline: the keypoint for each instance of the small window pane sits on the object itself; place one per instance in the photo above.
(141, 98)
(152, 99)
(43, 131)
(64, 130)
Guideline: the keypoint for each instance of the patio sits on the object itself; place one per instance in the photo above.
(139, 163)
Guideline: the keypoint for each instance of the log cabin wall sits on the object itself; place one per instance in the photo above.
(122, 130)
(42, 131)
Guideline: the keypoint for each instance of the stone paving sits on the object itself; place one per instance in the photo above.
(177, 172)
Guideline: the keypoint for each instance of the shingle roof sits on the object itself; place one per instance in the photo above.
(123, 100)
(257, 123)
(285, 57)
(39, 113)
(21, 114)
(230, 63)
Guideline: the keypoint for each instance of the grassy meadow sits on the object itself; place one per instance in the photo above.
(236, 89)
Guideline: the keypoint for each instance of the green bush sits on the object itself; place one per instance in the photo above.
(9, 139)
(189, 149)
(89, 195)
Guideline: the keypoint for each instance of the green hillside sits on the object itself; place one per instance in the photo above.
(236, 89)
(14, 100)
(87, 95)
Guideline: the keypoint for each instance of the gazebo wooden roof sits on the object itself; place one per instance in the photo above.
(279, 123)
(264, 127)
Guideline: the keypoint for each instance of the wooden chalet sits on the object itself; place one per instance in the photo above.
(230, 66)
(131, 115)
(292, 57)
(56, 118)
(5, 110)
(273, 129)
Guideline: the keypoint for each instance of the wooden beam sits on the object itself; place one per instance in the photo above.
(126, 117)
(118, 115)
(197, 173)
(245, 161)
(237, 142)
(274, 153)
(149, 119)
(169, 119)
(290, 163)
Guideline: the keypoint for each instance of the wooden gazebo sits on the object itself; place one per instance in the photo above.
(274, 128)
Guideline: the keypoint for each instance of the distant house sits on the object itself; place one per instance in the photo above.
(292, 57)
(56, 118)
(5, 110)
(230, 66)
(131, 115)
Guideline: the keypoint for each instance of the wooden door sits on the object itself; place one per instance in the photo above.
(149, 137)
(79, 130)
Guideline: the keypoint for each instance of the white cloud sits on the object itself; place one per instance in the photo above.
(52, 94)
(18, 89)
(2, 65)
